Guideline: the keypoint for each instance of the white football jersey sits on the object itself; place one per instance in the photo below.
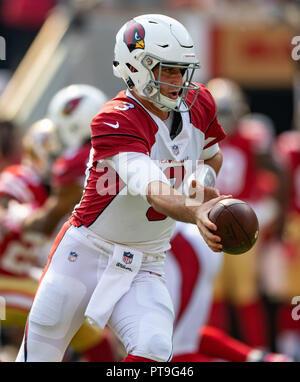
(124, 125)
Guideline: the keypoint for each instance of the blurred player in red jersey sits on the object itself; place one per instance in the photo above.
(191, 269)
(287, 149)
(107, 261)
(24, 188)
(247, 151)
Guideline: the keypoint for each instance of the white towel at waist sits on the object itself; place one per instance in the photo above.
(115, 281)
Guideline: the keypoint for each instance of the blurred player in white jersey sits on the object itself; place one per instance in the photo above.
(107, 261)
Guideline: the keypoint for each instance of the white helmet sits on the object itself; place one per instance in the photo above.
(146, 41)
(230, 100)
(41, 147)
(72, 110)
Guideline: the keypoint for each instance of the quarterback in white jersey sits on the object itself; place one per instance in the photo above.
(119, 216)
(107, 263)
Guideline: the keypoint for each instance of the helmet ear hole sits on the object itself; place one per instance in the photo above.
(131, 68)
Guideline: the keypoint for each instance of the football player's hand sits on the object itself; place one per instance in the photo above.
(207, 227)
(202, 193)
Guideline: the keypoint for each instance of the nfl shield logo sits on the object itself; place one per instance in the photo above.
(72, 256)
(175, 149)
(127, 257)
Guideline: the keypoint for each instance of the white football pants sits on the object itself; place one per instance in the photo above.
(142, 318)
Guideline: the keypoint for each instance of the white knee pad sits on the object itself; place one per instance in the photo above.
(39, 352)
(158, 349)
(154, 338)
(55, 305)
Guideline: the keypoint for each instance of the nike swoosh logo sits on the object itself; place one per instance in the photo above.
(111, 125)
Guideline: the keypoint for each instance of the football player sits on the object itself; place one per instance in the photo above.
(287, 148)
(23, 190)
(191, 269)
(71, 109)
(247, 150)
(107, 261)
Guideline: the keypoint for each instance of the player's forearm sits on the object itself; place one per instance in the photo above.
(170, 202)
(45, 219)
(216, 161)
(57, 206)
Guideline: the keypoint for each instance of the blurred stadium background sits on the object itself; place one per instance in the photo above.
(52, 43)
(246, 41)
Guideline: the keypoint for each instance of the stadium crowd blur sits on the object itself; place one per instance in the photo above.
(247, 45)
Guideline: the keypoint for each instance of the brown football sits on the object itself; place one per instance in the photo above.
(237, 225)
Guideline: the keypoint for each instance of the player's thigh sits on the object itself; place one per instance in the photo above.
(219, 284)
(292, 236)
(292, 275)
(242, 276)
(65, 288)
(144, 316)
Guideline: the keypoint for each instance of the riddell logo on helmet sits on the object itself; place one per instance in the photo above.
(134, 36)
(2, 49)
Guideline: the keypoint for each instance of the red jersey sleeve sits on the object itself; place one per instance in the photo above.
(22, 184)
(14, 186)
(70, 167)
(204, 116)
(214, 133)
(122, 126)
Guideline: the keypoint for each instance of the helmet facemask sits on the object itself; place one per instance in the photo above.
(152, 89)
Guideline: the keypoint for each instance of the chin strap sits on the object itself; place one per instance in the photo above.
(169, 104)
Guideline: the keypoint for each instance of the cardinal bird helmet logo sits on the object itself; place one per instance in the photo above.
(71, 105)
(134, 36)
